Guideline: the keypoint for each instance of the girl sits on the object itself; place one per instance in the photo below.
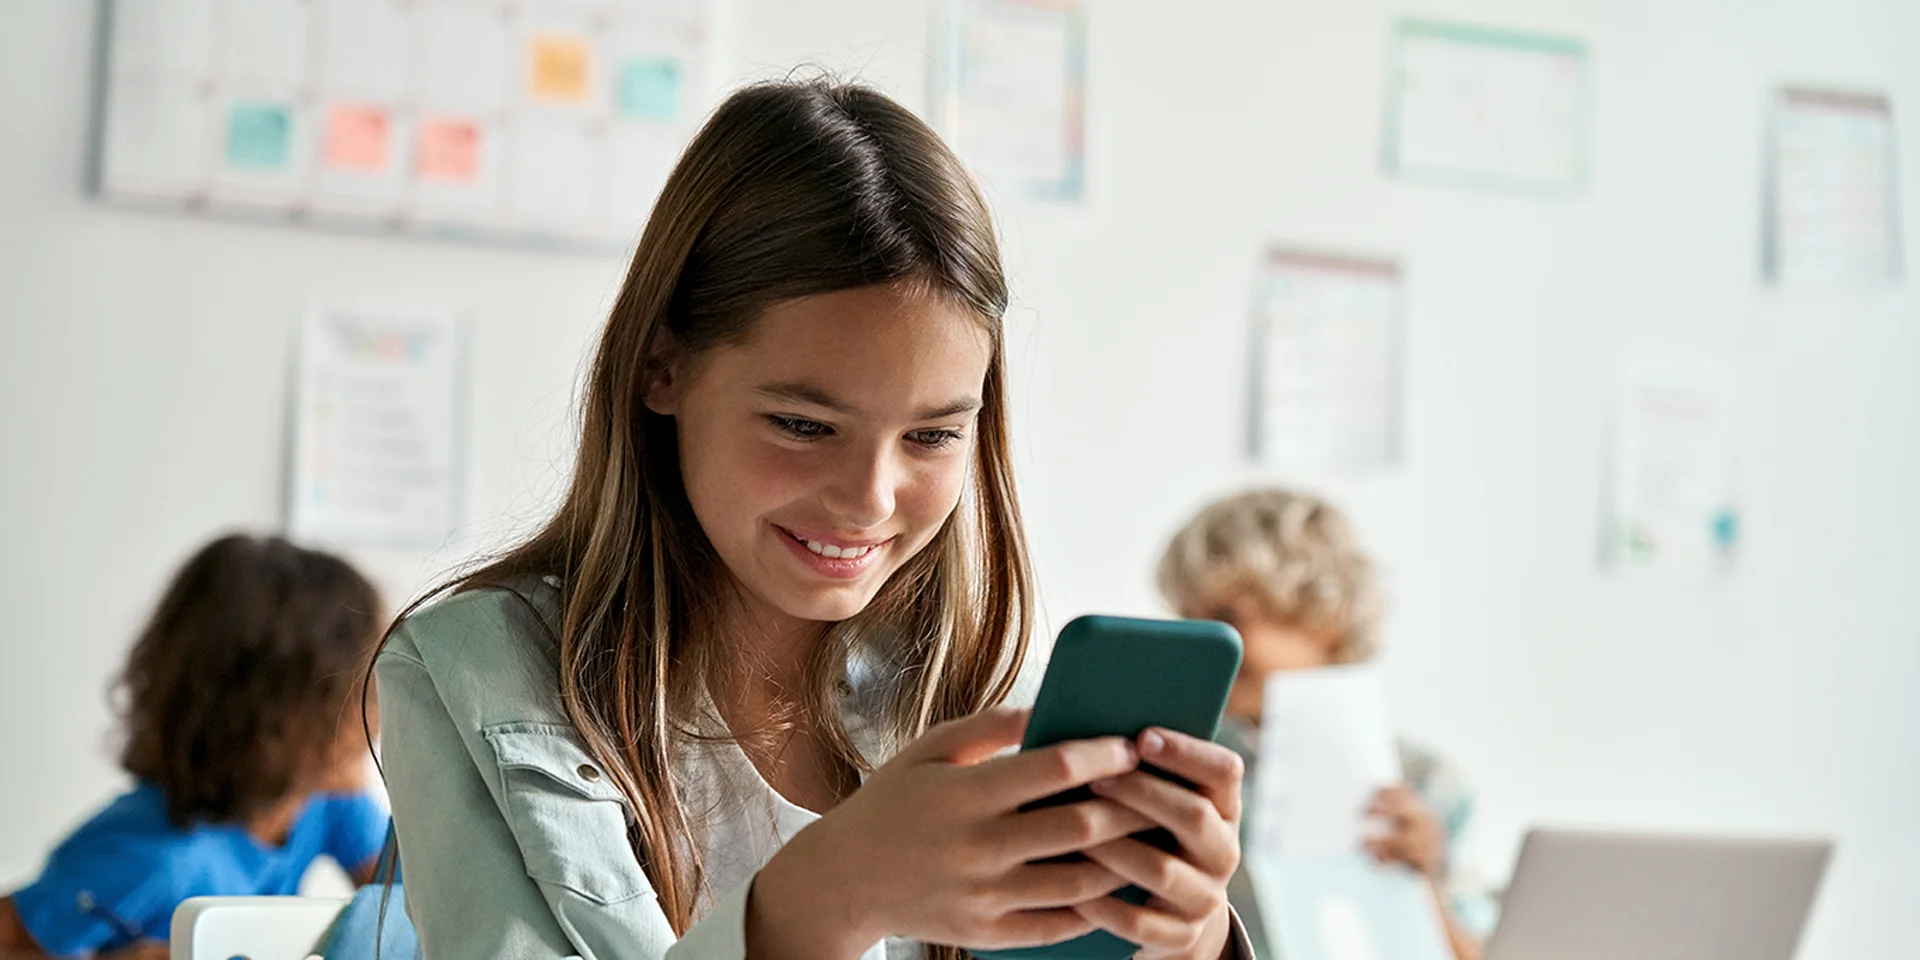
(742, 694)
(1285, 569)
(250, 764)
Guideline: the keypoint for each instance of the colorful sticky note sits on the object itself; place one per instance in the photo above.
(357, 136)
(259, 135)
(557, 68)
(449, 150)
(650, 89)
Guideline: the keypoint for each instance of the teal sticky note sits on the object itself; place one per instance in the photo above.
(650, 89)
(259, 135)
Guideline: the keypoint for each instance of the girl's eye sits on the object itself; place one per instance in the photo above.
(798, 428)
(935, 439)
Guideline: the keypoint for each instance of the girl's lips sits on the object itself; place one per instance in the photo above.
(837, 568)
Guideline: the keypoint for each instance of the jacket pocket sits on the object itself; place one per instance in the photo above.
(567, 816)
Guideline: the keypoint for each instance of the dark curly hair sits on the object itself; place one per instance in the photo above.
(237, 688)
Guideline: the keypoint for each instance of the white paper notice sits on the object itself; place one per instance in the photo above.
(1834, 216)
(1328, 346)
(1014, 106)
(377, 433)
(1326, 747)
(1489, 107)
(1672, 507)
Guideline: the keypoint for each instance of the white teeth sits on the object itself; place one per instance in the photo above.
(832, 552)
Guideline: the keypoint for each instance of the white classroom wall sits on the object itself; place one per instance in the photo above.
(145, 358)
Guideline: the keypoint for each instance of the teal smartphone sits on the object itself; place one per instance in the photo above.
(1117, 676)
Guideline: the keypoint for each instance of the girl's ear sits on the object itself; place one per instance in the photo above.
(665, 378)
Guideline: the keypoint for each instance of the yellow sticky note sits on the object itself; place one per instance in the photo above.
(357, 137)
(557, 68)
(449, 150)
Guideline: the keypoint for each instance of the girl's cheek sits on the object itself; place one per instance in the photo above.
(934, 492)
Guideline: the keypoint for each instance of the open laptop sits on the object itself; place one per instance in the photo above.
(1612, 896)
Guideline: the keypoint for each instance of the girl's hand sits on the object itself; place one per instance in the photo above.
(934, 847)
(1187, 916)
(1413, 833)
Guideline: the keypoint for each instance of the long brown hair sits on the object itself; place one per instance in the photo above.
(238, 686)
(791, 189)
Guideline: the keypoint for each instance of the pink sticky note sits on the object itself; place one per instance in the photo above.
(357, 136)
(449, 150)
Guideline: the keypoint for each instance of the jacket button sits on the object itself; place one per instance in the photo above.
(588, 772)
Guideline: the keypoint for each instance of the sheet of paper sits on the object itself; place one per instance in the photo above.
(363, 48)
(160, 140)
(650, 88)
(263, 41)
(554, 172)
(358, 135)
(559, 68)
(1672, 507)
(1015, 101)
(1833, 210)
(1327, 344)
(462, 59)
(1326, 747)
(172, 40)
(260, 135)
(1346, 907)
(449, 150)
(378, 442)
(1487, 107)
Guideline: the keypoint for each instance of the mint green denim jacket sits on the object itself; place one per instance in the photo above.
(512, 841)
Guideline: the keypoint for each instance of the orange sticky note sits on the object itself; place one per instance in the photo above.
(449, 150)
(357, 137)
(557, 68)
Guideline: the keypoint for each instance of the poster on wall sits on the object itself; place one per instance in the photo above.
(550, 124)
(1672, 509)
(1833, 214)
(377, 457)
(1327, 354)
(1011, 96)
(1492, 108)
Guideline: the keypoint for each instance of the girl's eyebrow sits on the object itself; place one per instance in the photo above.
(814, 396)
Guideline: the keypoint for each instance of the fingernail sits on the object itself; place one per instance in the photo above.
(1152, 742)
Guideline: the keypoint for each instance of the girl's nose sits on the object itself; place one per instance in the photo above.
(862, 493)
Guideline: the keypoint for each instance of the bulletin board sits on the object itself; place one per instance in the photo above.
(551, 123)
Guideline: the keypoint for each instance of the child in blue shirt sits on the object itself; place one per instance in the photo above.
(243, 725)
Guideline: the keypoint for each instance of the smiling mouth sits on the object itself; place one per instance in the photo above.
(833, 551)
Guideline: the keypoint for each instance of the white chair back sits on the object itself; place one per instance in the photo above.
(252, 928)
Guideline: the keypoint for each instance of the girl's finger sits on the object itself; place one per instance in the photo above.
(1039, 886)
(1209, 841)
(1154, 929)
(1052, 831)
(1213, 769)
(1035, 928)
(1006, 783)
(969, 740)
(1182, 888)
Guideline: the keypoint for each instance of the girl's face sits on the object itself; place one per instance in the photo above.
(829, 448)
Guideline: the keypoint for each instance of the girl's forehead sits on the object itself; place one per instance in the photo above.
(878, 341)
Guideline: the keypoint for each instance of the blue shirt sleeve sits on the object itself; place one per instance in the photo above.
(356, 829)
(93, 899)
